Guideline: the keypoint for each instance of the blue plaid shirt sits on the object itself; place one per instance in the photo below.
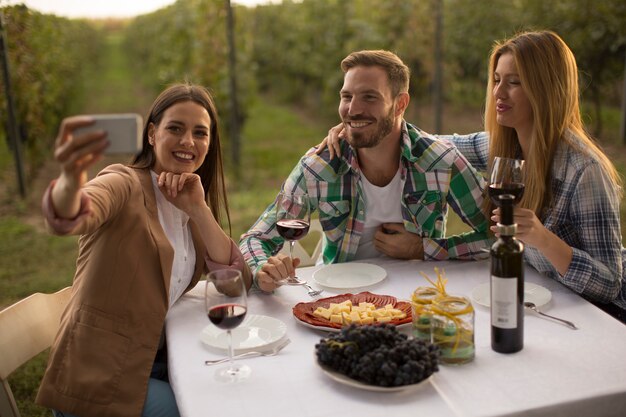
(584, 213)
(434, 176)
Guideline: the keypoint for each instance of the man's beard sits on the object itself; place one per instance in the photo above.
(360, 140)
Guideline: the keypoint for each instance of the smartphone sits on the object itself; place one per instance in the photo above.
(123, 131)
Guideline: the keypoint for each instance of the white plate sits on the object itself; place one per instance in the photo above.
(532, 292)
(335, 330)
(255, 333)
(342, 379)
(349, 275)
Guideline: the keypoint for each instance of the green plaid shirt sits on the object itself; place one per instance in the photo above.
(434, 175)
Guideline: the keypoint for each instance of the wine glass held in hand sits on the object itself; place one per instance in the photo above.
(293, 218)
(507, 177)
(226, 306)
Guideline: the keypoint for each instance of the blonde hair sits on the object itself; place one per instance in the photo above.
(549, 77)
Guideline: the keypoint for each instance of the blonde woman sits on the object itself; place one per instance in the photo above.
(569, 214)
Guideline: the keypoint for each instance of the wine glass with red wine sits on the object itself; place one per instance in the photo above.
(226, 305)
(293, 219)
(507, 177)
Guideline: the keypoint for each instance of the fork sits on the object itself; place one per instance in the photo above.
(252, 354)
(312, 291)
(533, 307)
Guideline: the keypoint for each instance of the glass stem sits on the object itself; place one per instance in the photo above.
(230, 350)
(291, 244)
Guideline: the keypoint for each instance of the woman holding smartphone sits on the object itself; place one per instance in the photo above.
(569, 214)
(148, 231)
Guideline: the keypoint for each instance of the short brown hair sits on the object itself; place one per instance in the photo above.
(397, 72)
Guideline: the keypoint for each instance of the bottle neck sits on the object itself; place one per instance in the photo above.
(506, 213)
(507, 226)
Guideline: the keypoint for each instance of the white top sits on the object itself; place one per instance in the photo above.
(175, 224)
(382, 205)
(560, 372)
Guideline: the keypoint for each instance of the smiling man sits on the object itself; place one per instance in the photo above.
(389, 190)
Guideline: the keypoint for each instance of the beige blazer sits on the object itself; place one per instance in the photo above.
(102, 356)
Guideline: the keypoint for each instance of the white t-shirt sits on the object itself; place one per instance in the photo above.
(382, 205)
(175, 224)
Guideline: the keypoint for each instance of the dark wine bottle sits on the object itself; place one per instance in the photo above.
(507, 283)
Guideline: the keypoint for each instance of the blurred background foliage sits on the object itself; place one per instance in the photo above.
(292, 51)
(48, 58)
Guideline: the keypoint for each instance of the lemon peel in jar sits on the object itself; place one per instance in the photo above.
(447, 320)
(440, 283)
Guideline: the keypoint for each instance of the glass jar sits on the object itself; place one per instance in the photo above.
(421, 302)
(452, 327)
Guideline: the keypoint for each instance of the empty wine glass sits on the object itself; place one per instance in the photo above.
(293, 219)
(226, 306)
(507, 177)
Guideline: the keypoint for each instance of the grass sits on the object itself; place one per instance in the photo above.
(28, 258)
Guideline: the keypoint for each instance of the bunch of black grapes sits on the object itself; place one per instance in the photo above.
(378, 355)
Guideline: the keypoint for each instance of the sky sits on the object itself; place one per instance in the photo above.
(103, 8)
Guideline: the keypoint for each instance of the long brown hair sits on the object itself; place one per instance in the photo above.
(549, 77)
(211, 172)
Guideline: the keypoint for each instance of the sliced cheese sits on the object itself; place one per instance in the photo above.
(364, 313)
(335, 318)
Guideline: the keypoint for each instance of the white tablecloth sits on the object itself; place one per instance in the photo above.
(560, 372)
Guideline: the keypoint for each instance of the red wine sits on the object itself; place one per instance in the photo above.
(227, 316)
(292, 229)
(507, 284)
(515, 188)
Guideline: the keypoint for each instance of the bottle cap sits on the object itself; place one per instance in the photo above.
(507, 229)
